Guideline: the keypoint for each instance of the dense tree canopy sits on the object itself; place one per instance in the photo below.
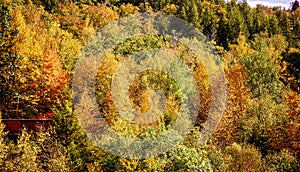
(259, 49)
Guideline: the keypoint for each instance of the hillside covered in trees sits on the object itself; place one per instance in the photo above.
(259, 50)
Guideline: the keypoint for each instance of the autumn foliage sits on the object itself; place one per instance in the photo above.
(258, 48)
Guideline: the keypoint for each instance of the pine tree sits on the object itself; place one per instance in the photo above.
(285, 24)
(273, 25)
(295, 5)
(295, 29)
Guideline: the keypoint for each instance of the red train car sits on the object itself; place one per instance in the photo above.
(14, 126)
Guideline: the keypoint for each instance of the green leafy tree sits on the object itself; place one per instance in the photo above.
(70, 135)
(282, 161)
(259, 22)
(273, 25)
(232, 26)
(241, 158)
(183, 158)
(264, 124)
(295, 29)
(22, 156)
(9, 63)
(285, 24)
(263, 70)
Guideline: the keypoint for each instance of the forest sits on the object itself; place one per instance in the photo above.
(41, 42)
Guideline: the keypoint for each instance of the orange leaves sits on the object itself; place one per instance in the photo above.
(44, 91)
(83, 21)
(293, 101)
(52, 69)
(39, 80)
(46, 116)
(293, 130)
(203, 83)
(237, 77)
(100, 15)
(238, 97)
(51, 83)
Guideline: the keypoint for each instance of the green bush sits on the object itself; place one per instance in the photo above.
(241, 158)
(264, 123)
(183, 158)
(282, 161)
